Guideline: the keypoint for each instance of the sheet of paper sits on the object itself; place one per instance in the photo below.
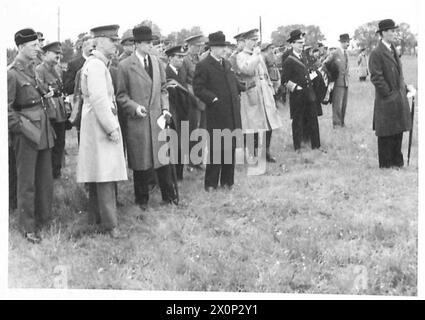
(161, 121)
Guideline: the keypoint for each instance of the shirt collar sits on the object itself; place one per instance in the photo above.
(173, 68)
(388, 45)
(140, 57)
(218, 59)
(100, 56)
(298, 55)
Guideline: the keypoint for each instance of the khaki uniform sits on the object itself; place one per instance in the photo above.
(33, 138)
(51, 77)
(197, 116)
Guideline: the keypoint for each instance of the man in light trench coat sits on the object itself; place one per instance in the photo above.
(101, 161)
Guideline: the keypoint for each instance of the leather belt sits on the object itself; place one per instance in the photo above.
(33, 103)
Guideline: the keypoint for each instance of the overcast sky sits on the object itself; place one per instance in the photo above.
(334, 17)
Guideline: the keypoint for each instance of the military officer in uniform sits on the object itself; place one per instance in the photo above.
(50, 74)
(101, 161)
(258, 107)
(197, 118)
(32, 136)
(302, 99)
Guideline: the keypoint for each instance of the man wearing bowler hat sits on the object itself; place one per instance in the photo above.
(340, 91)
(50, 74)
(216, 85)
(187, 71)
(302, 98)
(101, 161)
(391, 114)
(143, 99)
(32, 137)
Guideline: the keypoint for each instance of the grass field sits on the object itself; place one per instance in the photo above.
(330, 223)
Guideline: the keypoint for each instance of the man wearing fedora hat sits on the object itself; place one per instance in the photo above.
(339, 58)
(50, 74)
(391, 115)
(143, 99)
(32, 137)
(302, 100)
(101, 161)
(216, 85)
(187, 72)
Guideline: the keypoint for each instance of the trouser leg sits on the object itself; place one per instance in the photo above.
(107, 205)
(337, 101)
(141, 186)
(385, 151)
(26, 160)
(93, 210)
(398, 160)
(43, 187)
(344, 106)
(166, 183)
(227, 169)
(313, 127)
(297, 130)
(13, 202)
(58, 149)
(212, 171)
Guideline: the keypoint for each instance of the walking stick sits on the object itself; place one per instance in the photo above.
(173, 172)
(411, 130)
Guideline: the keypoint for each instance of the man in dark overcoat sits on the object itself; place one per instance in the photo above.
(302, 99)
(217, 86)
(391, 115)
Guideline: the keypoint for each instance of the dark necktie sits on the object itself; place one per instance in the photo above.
(146, 61)
(222, 64)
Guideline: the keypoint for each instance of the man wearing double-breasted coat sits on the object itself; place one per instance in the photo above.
(143, 99)
(391, 115)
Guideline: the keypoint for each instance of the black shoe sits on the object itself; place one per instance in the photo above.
(33, 237)
(270, 158)
(210, 189)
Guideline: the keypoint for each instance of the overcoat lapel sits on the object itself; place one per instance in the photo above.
(386, 53)
(138, 68)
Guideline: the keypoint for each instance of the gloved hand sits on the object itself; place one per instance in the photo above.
(167, 116)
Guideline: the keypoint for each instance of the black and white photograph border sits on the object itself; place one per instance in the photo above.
(323, 223)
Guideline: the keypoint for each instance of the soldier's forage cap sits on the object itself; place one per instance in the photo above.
(251, 34)
(239, 36)
(109, 31)
(266, 45)
(54, 47)
(40, 35)
(386, 24)
(176, 50)
(344, 37)
(295, 35)
(195, 40)
(24, 36)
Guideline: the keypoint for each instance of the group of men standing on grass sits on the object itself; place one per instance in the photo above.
(122, 106)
